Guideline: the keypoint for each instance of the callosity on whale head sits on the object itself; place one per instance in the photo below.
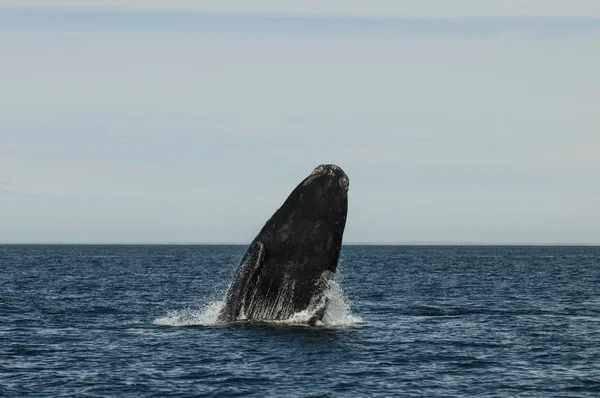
(288, 265)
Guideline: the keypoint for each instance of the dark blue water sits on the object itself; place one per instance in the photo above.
(100, 321)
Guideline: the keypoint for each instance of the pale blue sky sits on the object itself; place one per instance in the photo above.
(167, 124)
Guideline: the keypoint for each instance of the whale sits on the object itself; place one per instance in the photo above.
(289, 265)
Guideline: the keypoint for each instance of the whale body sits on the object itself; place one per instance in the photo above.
(289, 264)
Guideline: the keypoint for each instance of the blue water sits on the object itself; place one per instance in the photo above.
(112, 321)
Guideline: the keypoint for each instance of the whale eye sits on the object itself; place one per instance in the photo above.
(317, 170)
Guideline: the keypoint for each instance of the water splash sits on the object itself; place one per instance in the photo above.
(203, 316)
(337, 314)
(338, 309)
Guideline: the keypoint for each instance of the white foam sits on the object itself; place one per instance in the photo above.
(204, 316)
(337, 314)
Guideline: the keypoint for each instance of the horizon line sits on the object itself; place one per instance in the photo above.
(300, 16)
(416, 243)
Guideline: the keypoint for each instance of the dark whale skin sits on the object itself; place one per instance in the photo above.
(288, 265)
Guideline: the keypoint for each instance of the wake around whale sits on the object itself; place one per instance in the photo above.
(292, 260)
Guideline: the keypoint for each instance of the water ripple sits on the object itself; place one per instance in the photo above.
(95, 321)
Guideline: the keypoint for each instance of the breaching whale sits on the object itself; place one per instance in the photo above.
(289, 264)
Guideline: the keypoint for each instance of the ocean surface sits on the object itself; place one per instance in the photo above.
(408, 321)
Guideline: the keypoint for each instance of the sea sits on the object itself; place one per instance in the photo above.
(405, 321)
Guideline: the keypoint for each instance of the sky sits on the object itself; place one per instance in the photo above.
(191, 122)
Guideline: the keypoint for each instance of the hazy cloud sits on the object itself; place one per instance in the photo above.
(147, 130)
(387, 8)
